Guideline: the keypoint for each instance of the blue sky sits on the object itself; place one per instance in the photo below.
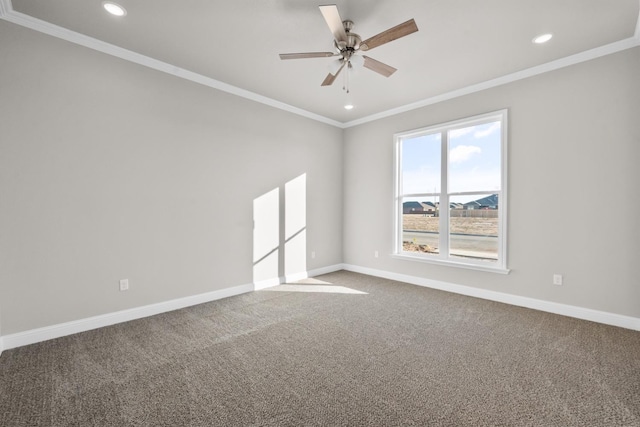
(474, 161)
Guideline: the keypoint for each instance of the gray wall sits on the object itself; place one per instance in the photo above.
(110, 170)
(574, 143)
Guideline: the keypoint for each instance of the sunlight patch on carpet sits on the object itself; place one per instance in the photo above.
(328, 289)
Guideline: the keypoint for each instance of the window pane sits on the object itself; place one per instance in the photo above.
(473, 226)
(421, 164)
(474, 158)
(420, 228)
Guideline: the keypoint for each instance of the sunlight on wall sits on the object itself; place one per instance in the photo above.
(273, 249)
(266, 236)
(295, 225)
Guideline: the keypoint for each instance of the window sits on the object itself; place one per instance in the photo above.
(451, 193)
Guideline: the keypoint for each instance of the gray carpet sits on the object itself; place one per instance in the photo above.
(393, 355)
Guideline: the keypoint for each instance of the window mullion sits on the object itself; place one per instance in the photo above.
(444, 196)
(399, 188)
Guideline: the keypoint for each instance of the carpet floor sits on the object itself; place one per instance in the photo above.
(343, 349)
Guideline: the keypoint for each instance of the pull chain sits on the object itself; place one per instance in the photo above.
(345, 79)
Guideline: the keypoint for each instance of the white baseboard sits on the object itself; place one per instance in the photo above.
(55, 331)
(325, 270)
(264, 284)
(289, 278)
(312, 273)
(613, 319)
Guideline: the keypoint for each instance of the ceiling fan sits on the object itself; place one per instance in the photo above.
(348, 43)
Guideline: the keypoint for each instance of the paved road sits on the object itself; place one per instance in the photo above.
(463, 244)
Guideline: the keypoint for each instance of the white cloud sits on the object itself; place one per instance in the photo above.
(456, 133)
(488, 131)
(462, 153)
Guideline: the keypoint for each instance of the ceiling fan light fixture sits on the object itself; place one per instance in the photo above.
(114, 8)
(542, 38)
(335, 65)
(357, 61)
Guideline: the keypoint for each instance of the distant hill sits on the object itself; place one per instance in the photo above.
(489, 201)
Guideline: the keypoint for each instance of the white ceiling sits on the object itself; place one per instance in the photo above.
(460, 43)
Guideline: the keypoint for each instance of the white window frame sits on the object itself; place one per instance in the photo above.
(443, 257)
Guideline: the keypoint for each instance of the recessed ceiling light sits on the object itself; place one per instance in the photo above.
(114, 8)
(542, 38)
(348, 107)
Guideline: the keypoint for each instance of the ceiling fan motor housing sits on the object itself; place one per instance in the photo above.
(352, 43)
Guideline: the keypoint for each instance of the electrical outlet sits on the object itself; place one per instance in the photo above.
(375, 254)
(313, 254)
(557, 279)
(124, 284)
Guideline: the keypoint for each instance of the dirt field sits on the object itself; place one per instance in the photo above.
(481, 226)
(414, 247)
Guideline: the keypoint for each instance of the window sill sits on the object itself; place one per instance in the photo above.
(448, 263)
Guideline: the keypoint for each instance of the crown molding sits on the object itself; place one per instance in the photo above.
(636, 35)
(509, 78)
(530, 72)
(7, 13)
(5, 7)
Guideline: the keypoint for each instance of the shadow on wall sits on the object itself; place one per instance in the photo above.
(277, 254)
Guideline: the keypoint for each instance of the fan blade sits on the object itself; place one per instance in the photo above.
(306, 55)
(378, 67)
(328, 81)
(390, 35)
(331, 15)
